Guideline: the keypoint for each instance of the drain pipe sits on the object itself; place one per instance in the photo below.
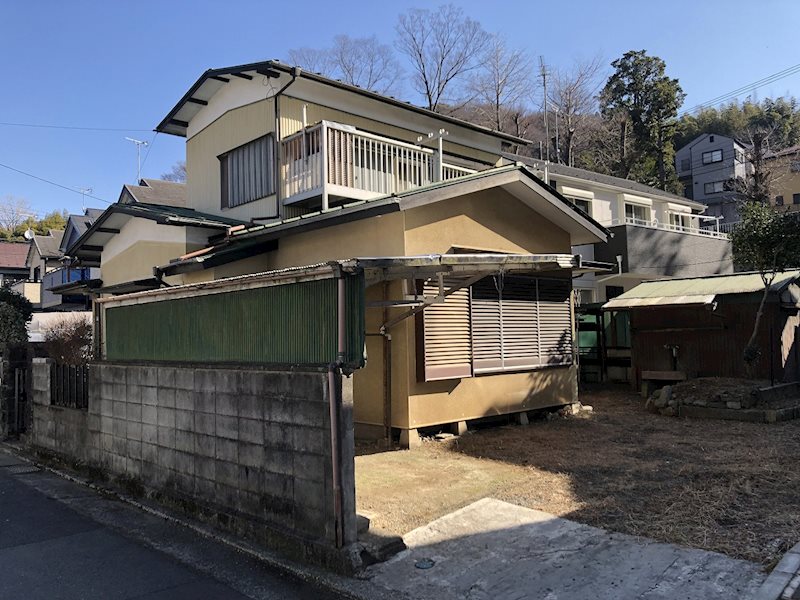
(334, 397)
(296, 71)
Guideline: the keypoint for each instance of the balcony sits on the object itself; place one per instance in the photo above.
(716, 231)
(333, 162)
(653, 250)
(59, 277)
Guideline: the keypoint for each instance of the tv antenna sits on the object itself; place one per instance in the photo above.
(83, 192)
(139, 144)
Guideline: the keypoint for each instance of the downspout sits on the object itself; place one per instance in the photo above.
(278, 146)
(334, 372)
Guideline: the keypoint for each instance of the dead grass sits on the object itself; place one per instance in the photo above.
(718, 485)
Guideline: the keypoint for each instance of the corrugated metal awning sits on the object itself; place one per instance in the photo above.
(621, 302)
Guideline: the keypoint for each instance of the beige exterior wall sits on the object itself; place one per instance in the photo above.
(786, 183)
(142, 244)
(230, 130)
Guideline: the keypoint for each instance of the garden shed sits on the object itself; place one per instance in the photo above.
(699, 327)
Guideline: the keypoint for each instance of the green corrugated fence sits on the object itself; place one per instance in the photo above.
(293, 323)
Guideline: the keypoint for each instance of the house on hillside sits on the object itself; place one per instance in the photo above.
(705, 165)
(287, 169)
(699, 327)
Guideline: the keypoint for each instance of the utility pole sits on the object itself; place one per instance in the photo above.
(139, 144)
(543, 75)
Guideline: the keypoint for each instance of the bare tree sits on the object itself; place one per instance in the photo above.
(573, 94)
(367, 63)
(177, 173)
(503, 86)
(443, 46)
(364, 62)
(14, 211)
(316, 60)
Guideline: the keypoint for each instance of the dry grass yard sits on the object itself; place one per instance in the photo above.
(726, 486)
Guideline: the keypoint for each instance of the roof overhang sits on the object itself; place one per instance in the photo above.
(89, 246)
(697, 300)
(209, 83)
(84, 286)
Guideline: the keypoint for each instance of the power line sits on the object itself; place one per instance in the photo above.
(64, 187)
(746, 88)
(70, 127)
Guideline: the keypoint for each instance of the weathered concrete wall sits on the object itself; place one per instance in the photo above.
(250, 447)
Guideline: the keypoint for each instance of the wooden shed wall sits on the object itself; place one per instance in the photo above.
(710, 344)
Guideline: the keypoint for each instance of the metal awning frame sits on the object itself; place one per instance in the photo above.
(472, 267)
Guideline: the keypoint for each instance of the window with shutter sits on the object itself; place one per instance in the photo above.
(499, 324)
(247, 173)
(446, 335)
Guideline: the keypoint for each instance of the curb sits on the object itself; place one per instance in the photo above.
(784, 580)
(352, 589)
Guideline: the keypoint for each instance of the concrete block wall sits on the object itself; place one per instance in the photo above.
(64, 431)
(253, 445)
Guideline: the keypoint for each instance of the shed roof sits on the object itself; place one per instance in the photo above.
(697, 290)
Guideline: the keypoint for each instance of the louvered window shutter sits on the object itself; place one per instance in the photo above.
(446, 338)
(555, 321)
(520, 323)
(248, 172)
(487, 343)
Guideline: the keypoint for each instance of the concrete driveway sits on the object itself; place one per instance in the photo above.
(495, 550)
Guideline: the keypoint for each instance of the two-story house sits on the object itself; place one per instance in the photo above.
(305, 170)
(784, 168)
(705, 165)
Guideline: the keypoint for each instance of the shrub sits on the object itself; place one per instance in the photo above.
(69, 341)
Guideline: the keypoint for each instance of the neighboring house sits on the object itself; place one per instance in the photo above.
(784, 166)
(148, 225)
(316, 170)
(655, 234)
(77, 226)
(700, 326)
(705, 165)
(13, 265)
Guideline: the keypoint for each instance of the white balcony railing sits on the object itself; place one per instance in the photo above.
(334, 160)
(655, 224)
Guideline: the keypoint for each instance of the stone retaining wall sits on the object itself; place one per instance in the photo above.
(250, 447)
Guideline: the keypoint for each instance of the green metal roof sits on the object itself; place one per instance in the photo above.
(698, 290)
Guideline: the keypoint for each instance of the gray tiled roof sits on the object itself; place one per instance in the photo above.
(156, 191)
(48, 245)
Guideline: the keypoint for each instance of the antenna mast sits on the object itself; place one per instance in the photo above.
(543, 75)
(139, 144)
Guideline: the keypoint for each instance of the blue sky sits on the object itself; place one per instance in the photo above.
(115, 64)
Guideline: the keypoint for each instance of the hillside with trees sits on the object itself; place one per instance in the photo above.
(619, 118)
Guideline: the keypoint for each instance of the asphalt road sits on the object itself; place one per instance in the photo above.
(61, 540)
